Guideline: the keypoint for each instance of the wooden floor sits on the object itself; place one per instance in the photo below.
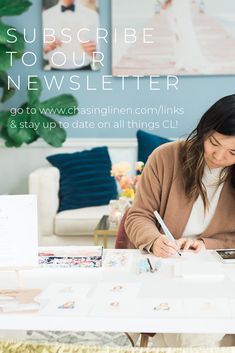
(217, 46)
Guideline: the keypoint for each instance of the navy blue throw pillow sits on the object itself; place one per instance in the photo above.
(147, 143)
(85, 178)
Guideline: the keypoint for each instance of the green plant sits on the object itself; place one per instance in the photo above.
(29, 122)
(21, 127)
(10, 8)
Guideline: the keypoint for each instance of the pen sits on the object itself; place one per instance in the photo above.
(164, 227)
(150, 265)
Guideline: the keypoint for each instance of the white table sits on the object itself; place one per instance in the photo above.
(152, 285)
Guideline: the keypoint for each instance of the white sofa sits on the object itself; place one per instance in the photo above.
(65, 227)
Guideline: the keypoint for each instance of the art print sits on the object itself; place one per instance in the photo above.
(70, 40)
(160, 307)
(179, 37)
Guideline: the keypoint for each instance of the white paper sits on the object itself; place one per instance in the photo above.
(197, 270)
(206, 307)
(117, 260)
(65, 299)
(160, 307)
(66, 305)
(116, 290)
(114, 308)
(55, 290)
(18, 231)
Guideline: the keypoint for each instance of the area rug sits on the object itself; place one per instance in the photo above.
(111, 339)
(30, 347)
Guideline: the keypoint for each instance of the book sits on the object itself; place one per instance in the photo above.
(71, 256)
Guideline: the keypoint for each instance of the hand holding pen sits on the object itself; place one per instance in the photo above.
(165, 245)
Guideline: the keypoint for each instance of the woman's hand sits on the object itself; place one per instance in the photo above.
(194, 244)
(166, 4)
(164, 247)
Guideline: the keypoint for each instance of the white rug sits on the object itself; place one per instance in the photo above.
(111, 339)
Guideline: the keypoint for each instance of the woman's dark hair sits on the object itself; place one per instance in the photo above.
(220, 117)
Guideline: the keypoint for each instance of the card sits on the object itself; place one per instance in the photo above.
(160, 307)
(114, 308)
(55, 290)
(117, 290)
(120, 260)
(66, 305)
(207, 307)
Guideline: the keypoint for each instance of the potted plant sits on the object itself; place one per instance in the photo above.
(30, 120)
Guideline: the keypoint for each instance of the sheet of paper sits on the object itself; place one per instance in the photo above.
(114, 308)
(18, 231)
(116, 290)
(119, 260)
(197, 270)
(66, 305)
(75, 290)
(207, 307)
(160, 307)
(65, 299)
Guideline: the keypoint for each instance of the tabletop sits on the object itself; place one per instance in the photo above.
(194, 293)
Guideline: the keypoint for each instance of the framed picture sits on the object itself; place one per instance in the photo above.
(70, 34)
(179, 37)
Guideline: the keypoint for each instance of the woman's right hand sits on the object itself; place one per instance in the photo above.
(164, 247)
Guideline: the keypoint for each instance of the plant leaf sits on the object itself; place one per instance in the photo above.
(13, 7)
(64, 105)
(8, 141)
(18, 129)
(17, 46)
(35, 94)
(7, 93)
(5, 58)
(54, 136)
(4, 116)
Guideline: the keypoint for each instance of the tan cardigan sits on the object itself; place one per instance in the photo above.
(161, 188)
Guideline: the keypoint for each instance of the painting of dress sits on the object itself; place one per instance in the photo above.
(179, 37)
(70, 34)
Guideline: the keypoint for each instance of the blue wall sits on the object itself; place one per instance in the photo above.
(195, 94)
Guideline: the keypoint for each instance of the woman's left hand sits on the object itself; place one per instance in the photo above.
(194, 244)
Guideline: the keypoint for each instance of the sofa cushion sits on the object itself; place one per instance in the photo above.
(85, 178)
(81, 221)
(147, 143)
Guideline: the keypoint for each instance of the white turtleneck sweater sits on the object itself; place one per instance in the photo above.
(199, 220)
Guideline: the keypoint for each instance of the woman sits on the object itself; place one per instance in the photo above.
(192, 185)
